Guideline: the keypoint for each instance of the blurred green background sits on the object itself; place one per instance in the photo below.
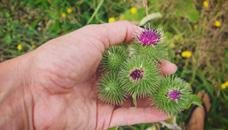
(196, 32)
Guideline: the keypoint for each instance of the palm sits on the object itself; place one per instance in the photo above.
(64, 84)
(70, 77)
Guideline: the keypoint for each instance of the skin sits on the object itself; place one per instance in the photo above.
(197, 119)
(54, 87)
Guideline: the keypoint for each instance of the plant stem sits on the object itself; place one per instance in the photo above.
(145, 4)
(95, 12)
(134, 99)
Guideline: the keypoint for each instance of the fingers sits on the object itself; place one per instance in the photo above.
(167, 67)
(113, 33)
(133, 115)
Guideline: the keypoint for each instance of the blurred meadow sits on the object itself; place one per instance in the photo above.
(196, 32)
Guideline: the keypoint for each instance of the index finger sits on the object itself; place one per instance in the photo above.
(112, 33)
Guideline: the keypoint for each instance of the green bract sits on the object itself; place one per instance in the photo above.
(139, 76)
(110, 89)
(173, 96)
(132, 70)
(114, 57)
(157, 52)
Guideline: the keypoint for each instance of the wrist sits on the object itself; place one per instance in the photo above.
(15, 95)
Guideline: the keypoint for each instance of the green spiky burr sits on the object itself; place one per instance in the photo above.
(173, 96)
(111, 90)
(139, 76)
(150, 43)
(132, 70)
(157, 52)
(114, 57)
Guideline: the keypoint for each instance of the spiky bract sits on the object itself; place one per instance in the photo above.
(114, 57)
(157, 52)
(173, 96)
(132, 70)
(111, 90)
(139, 76)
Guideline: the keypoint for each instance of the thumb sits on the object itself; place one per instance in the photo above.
(133, 115)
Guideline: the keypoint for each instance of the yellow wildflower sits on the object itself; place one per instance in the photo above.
(111, 20)
(63, 15)
(69, 10)
(217, 24)
(206, 4)
(186, 54)
(133, 10)
(19, 47)
(224, 85)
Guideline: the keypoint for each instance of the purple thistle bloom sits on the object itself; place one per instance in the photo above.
(149, 37)
(136, 74)
(174, 94)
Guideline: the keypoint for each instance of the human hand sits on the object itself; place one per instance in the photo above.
(61, 79)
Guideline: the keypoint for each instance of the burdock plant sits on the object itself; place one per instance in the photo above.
(111, 89)
(173, 95)
(133, 71)
(139, 76)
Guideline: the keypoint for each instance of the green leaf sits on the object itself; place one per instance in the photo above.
(7, 39)
(155, 5)
(53, 14)
(187, 9)
(54, 27)
(196, 100)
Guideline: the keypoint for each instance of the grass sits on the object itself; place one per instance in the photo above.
(189, 25)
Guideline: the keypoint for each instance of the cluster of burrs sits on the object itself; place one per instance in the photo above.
(132, 71)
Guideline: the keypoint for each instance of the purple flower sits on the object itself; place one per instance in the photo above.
(174, 94)
(136, 74)
(149, 37)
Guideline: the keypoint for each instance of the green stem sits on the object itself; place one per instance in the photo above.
(184, 68)
(145, 3)
(134, 99)
(95, 12)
